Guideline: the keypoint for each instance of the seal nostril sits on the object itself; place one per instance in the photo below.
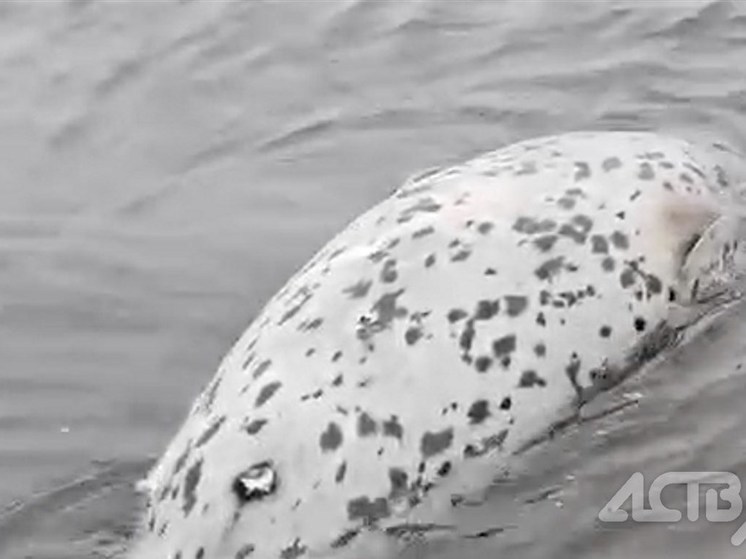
(255, 483)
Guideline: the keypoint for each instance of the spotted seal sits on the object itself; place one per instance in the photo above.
(449, 326)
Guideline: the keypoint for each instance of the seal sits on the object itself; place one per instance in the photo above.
(450, 326)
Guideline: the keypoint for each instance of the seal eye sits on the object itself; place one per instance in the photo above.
(258, 481)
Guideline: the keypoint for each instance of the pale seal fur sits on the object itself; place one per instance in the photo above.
(447, 327)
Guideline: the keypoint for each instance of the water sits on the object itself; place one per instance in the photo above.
(167, 165)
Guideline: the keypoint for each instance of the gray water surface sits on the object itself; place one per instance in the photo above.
(167, 165)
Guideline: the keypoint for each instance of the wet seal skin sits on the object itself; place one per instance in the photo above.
(468, 317)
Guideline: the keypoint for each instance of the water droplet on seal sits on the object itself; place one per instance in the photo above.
(257, 482)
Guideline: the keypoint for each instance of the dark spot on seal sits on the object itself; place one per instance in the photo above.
(388, 273)
(619, 240)
(571, 370)
(478, 412)
(608, 264)
(635, 195)
(444, 469)
(191, 480)
(331, 438)
(309, 325)
(392, 428)
(485, 227)
(387, 310)
(429, 230)
(490, 272)
(599, 244)
(486, 445)
(582, 222)
(604, 331)
(527, 168)
(366, 425)
(245, 551)
(545, 243)
(550, 268)
(722, 178)
(266, 393)
(339, 475)
(627, 278)
(571, 232)
(295, 309)
(582, 171)
(503, 346)
(369, 511)
(461, 255)
(652, 155)
(684, 177)
(567, 298)
(529, 379)
(337, 252)
(358, 290)
(506, 403)
(639, 324)
(293, 551)
(435, 443)
(249, 358)
(200, 553)
(654, 284)
(398, 479)
(541, 319)
(261, 368)
(337, 356)
(566, 203)
(482, 363)
(427, 204)
(412, 335)
(696, 170)
(530, 226)
(429, 260)
(255, 426)
(210, 432)
(515, 304)
(211, 394)
(467, 336)
(611, 163)
(540, 350)
(454, 315)
(646, 171)
(486, 309)
(345, 538)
